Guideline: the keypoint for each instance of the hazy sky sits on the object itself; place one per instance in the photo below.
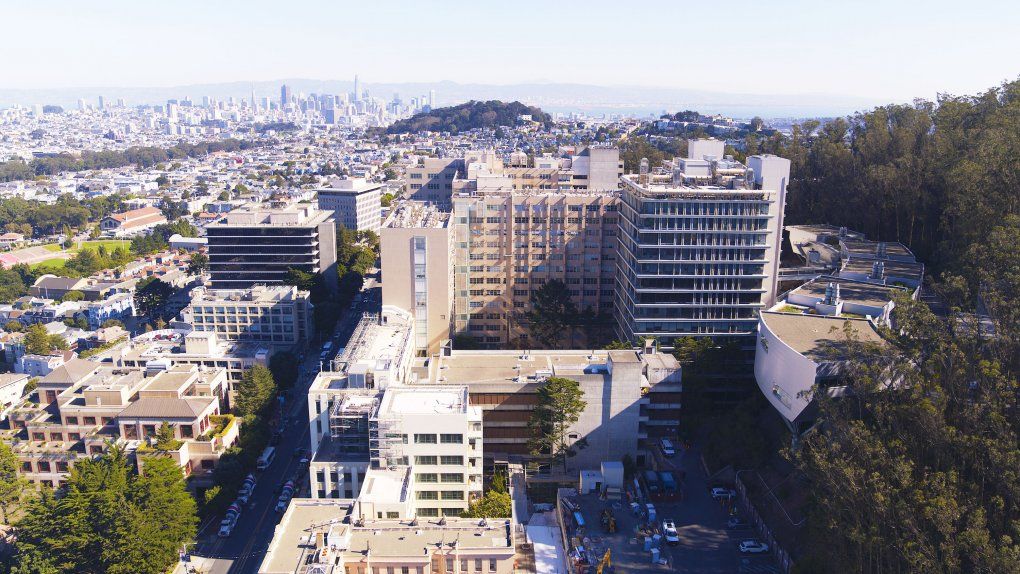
(891, 49)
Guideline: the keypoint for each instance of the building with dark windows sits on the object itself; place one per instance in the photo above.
(258, 246)
(699, 245)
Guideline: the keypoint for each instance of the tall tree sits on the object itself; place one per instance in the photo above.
(552, 315)
(13, 487)
(560, 404)
(255, 391)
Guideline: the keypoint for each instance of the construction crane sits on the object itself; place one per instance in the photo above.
(606, 562)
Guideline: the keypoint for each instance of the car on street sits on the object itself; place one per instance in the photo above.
(227, 526)
(753, 547)
(719, 493)
(669, 532)
(737, 523)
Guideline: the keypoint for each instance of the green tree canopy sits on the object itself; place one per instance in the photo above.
(560, 404)
(255, 392)
(552, 315)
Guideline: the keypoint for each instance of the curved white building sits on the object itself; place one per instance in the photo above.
(796, 352)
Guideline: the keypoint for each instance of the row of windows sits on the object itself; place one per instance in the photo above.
(432, 477)
(443, 438)
(444, 459)
(444, 494)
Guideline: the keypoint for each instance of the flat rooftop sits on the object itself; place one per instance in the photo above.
(378, 343)
(304, 517)
(849, 290)
(424, 400)
(385, 485)
(259, 293)
(872, 249)
(294, 215)
(463, 367)
(819, 337)
(294, 543)
(416, 215)
(893, 269)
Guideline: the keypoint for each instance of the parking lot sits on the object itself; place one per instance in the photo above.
(706, 545)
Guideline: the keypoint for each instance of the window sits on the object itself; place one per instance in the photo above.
(428, 495)
(450, 438)
(425, 460)
(492, 565)
(425, 438)
(426, 477)
(451, 477)
(453, 495)
(449, 460)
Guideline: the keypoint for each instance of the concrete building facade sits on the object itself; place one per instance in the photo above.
(355, 203)
(279, 314)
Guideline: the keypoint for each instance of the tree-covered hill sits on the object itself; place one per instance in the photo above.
(469, 116)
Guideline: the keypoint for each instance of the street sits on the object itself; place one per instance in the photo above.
(243, 550)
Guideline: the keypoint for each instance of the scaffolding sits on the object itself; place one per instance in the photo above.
(349, 424)
(387, 442)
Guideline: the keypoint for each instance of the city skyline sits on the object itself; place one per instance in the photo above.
(870, 66)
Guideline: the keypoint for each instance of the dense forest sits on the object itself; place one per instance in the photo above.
(140, 156)
(923, 476)
(469, 116)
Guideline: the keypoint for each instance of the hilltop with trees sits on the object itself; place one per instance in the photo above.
(469, 116)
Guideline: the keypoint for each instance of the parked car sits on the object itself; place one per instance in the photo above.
(719, 493)
(753, 547)
(669, 532)
(227, 526)
(737, 523)
(243, 497)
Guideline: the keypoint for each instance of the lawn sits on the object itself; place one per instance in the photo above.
(54, 265)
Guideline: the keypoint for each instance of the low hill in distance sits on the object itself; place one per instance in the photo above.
(469, 116)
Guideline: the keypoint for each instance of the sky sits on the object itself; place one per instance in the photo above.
(893, 50)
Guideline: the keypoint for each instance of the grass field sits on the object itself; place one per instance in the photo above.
(56, 264)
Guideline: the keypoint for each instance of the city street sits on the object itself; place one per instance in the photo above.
(243, 550)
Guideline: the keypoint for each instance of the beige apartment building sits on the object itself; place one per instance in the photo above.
(328, 537)
(417, 271)
(507, 244)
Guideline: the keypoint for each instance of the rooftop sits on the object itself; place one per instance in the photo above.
(294, 215)
(351, 186)
(258, 293)
(849, 290)
(516, 367)
(820, 338)
(416, 215)
(424, 400)
(311, 526)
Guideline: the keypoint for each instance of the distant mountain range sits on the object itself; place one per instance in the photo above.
(552, 97)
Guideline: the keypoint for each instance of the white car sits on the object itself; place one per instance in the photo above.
(227, 527)
(753, 547)
(723, 493)
(669, 532)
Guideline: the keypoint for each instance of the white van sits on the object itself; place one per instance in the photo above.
(266, 458)
(667, 448)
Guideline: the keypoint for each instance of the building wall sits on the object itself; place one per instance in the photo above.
(696, 262)
(782, 373)
(357, 210)
(399, 285)
(432, 181)
(507, 245)
(283, 322)
(241, 256)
